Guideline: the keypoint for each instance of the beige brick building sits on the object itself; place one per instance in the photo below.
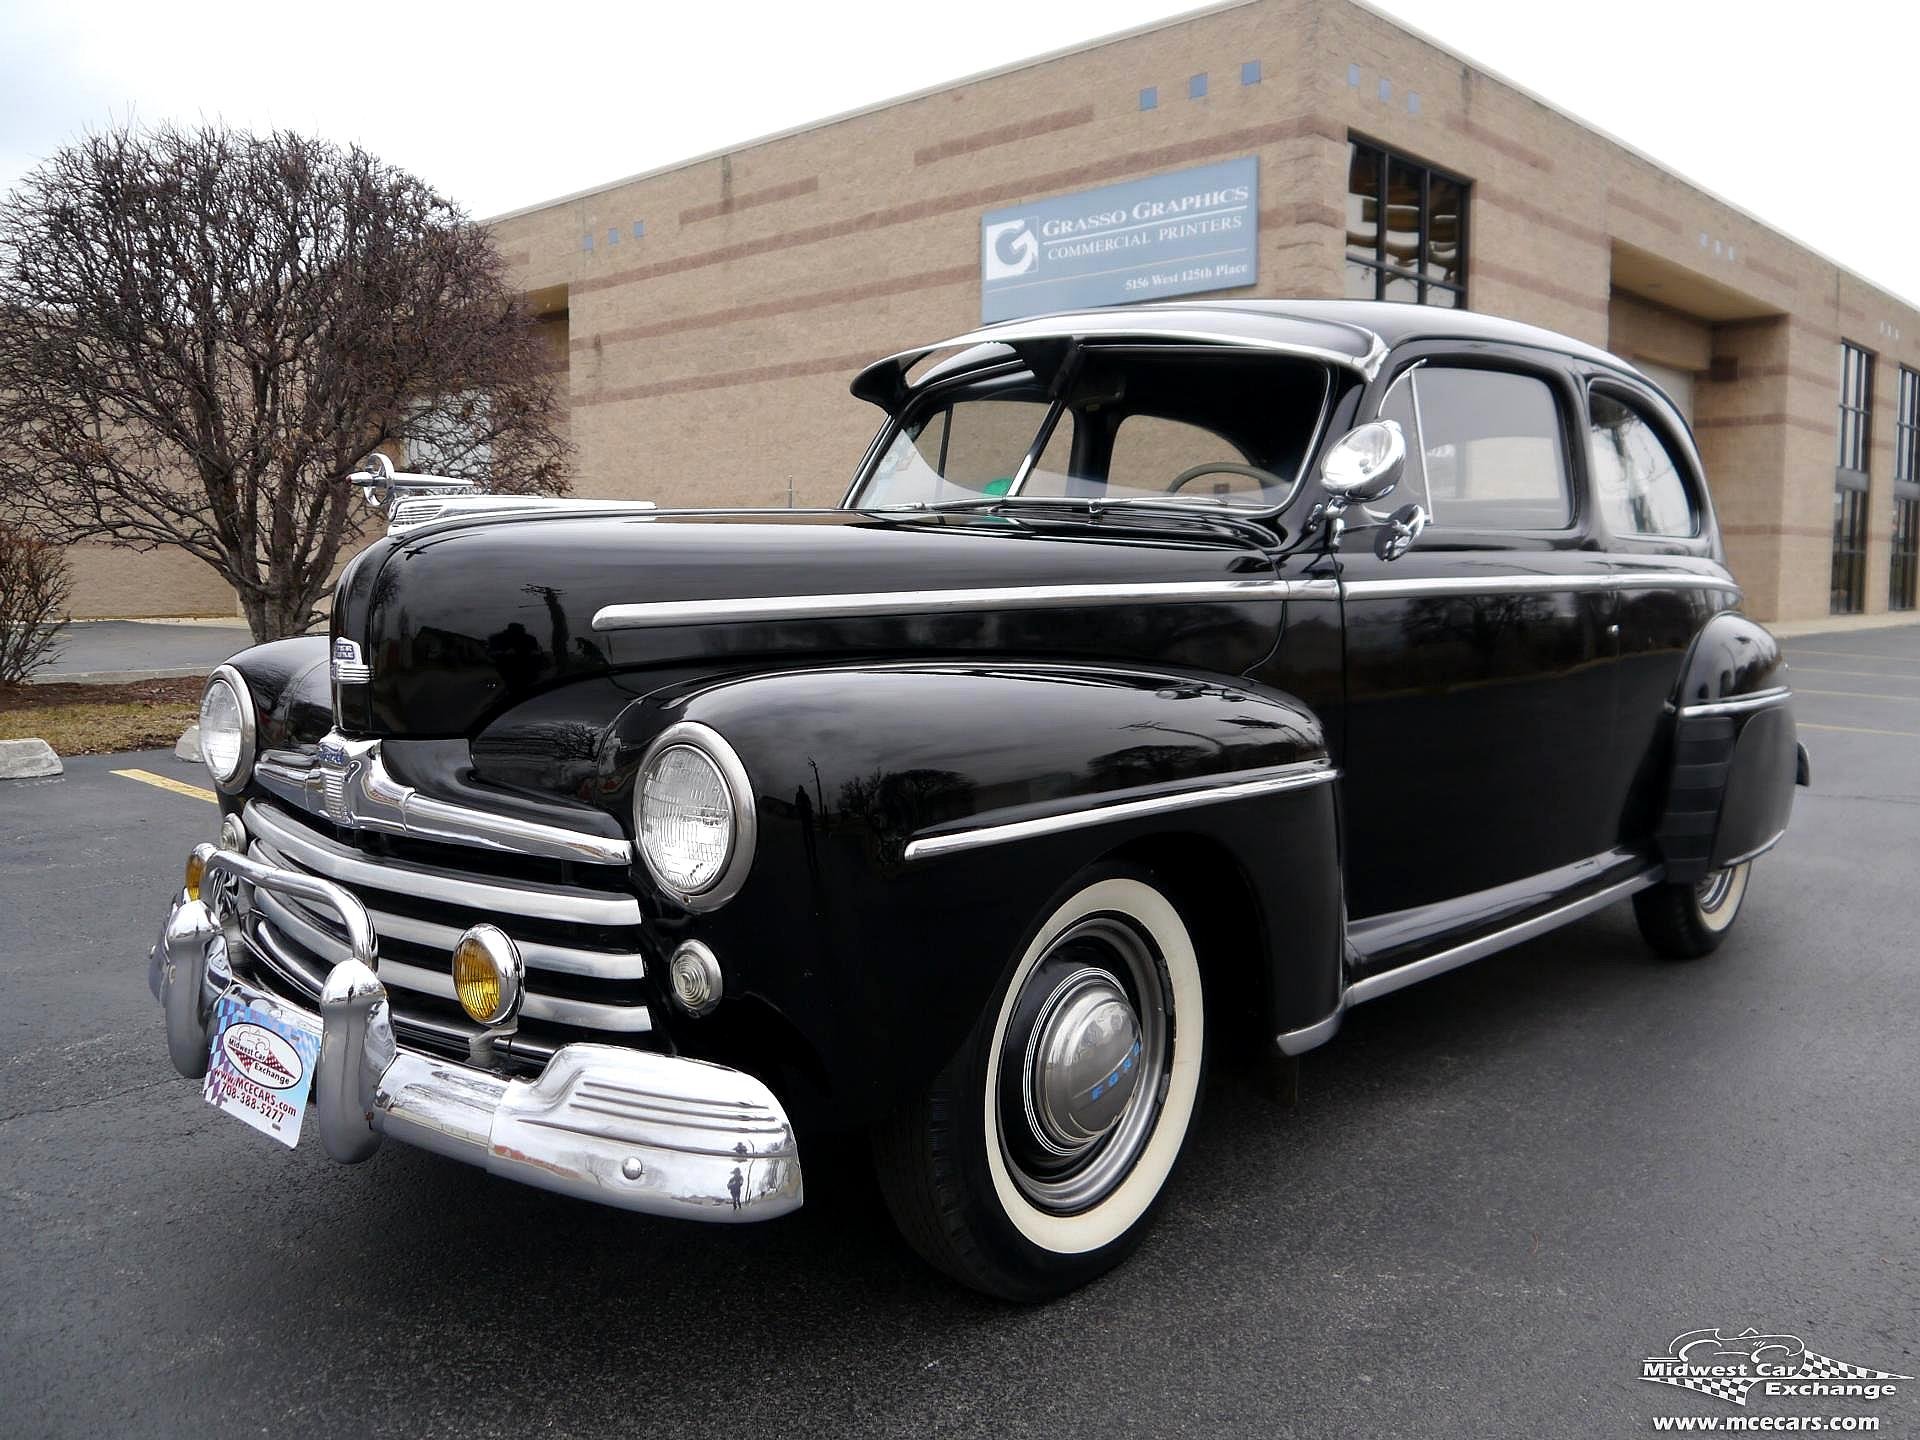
(712, 312)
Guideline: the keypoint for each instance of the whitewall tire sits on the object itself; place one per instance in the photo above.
(1034, 1161)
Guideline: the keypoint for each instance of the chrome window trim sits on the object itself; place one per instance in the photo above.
(1388, 981)
(339, 862)
(360, 793)
(746, 828)
(249, 727)
(1739, 704)
(662, 614)
(1281, 778)
(291, 925)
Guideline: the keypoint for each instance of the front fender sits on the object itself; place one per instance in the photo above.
(1736, 753)
(918, 821)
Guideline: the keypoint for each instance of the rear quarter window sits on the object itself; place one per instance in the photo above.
(1639, 485)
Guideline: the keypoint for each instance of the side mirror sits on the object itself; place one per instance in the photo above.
(1365, 463)
(1395, 537)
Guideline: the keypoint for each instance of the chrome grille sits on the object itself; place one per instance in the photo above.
(581, 945)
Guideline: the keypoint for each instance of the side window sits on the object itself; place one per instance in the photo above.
(1492, 449)
(1636, 481)
(1148, 452)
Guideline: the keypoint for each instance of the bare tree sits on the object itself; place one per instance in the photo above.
(34, 586)
(203, 332)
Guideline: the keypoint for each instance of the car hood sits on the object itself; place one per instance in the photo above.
(460, 622)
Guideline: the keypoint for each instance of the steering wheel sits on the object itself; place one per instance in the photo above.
(1227, 467)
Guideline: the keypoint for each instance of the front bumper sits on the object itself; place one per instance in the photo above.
(630, 1128)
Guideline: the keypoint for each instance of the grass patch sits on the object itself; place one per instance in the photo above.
(100, 719)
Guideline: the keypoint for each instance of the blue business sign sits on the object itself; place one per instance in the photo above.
(1173, 234)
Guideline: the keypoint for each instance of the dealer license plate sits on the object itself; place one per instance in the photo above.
(261, 1068)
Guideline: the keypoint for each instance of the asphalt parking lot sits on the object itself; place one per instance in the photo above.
(1500, 1191)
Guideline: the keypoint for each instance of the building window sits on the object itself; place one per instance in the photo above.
(1850, 481)
(1903, 588)
(1197, 87)
(1406, 230)
(1150, 97)
(1249, 72)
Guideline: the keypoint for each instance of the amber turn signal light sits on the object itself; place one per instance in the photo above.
(487, 975)
(196, 872)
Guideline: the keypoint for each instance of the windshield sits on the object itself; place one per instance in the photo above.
(1157, 424)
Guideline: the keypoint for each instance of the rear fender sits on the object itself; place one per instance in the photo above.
(917, 821)
(1736, 752)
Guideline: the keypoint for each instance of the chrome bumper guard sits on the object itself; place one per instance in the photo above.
(642, 1131)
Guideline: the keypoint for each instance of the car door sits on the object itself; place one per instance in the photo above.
(1649, 501)
(1478, 664)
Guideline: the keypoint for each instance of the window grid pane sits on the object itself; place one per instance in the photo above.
(1849, 552)
(1856, 406)
(1406, 230)
(1906, 428)
(1904, 588)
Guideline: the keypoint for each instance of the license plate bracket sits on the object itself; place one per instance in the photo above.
(260, 1067)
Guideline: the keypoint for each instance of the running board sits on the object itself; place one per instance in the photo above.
(1297, 1042)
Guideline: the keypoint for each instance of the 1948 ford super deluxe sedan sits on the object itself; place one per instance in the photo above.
(1170, 678)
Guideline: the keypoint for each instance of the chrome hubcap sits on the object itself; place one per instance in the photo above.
(1083, 1067)
(1081, 1061)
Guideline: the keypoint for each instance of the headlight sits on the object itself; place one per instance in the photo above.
(227, 728)
(693, 816)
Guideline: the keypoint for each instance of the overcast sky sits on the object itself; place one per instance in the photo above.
(1808, 121)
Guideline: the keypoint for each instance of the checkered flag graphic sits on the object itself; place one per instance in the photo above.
(1718, 1387)
(1734, 1388)
(1825, 1367)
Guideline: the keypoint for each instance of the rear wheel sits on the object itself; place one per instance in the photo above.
(1686, 921)
(1032, 1162)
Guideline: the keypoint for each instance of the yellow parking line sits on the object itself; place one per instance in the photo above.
(1793, 650)
(179, 787)
(1856, 674)
(1861, 730)
(1853, 694)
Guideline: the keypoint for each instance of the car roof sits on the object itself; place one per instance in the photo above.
(1356, 334)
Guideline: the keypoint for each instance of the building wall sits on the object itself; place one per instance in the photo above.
(707, 358)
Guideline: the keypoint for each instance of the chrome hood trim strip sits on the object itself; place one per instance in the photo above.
(347, 783)
(1241, 787)
(661, 614)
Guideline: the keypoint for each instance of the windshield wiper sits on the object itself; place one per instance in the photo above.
(1211, 510)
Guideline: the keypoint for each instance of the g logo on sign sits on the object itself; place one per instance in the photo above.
(1008, 249)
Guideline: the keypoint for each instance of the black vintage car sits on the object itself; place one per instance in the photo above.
(1171, 678)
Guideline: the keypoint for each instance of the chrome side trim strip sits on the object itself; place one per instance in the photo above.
(290, 923)
(660, 614)
(1385, 983)
(560, 959)
(349, 784)
(339, 862)
(1756, 852)
(1759, 700)
(1282, 778)
(1532, 585)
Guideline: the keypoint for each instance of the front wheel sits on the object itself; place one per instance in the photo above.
(1030, 1165)
(1686, 921)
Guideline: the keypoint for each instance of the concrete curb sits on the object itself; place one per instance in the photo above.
(123, 677)
(27, 760)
